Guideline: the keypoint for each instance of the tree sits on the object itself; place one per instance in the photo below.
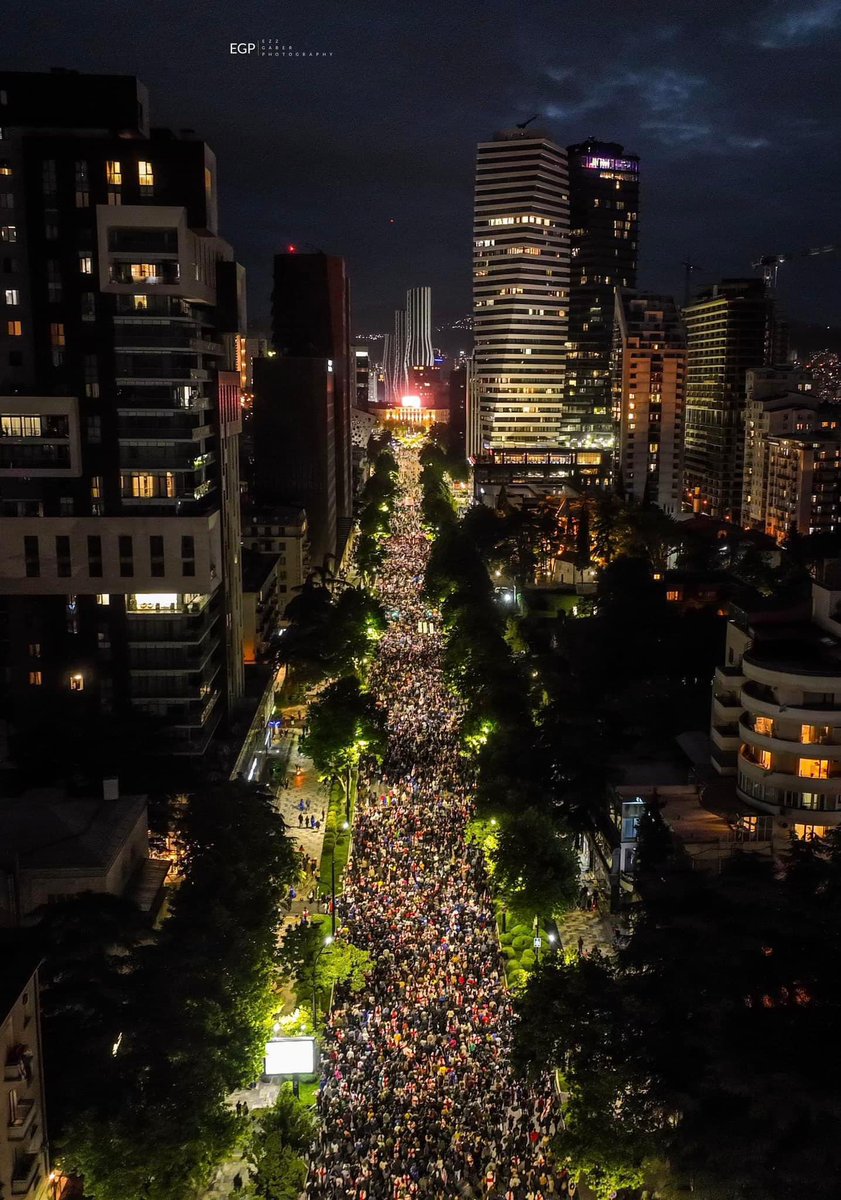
(535, 865)
(283, 1135)
(345, 725)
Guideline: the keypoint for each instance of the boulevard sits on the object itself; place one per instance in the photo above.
(417, 1098)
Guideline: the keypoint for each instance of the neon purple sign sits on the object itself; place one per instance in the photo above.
(594, 163)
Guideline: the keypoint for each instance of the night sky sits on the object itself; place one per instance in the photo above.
(733, 106)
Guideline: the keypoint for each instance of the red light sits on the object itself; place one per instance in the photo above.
(291, 249)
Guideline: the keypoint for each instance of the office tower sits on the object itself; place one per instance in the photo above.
(361, 359)
(397, 359)
(603, 218)
(295, 445)
(419, 322)
(730, 328)
(520, 289)
(119, 509)
(649, 366)
(311, 319)
(778, 401)
(457, 386)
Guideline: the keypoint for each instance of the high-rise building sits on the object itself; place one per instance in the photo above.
(520, 290)
(778, 402)
(119, 402)
(419, 327)
(295, 443)
(649, 366)
(361, 359)
(730, 328)
(458, 388)
(397, 359)
(311, 319)
(603, 218)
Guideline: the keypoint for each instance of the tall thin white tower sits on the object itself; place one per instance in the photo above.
(419, 322)
(520, 290)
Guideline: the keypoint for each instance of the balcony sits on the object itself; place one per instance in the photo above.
(784, 745)
(761, 699)
(18, 1066)
(25, 1174)
(20, 1125)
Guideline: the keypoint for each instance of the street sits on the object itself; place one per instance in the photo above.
(417, 1098)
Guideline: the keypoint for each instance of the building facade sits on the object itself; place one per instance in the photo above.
(24, 1153)
(295, 443)
(118, 506)
(778, 402)
(311, 319)
(419, 327)
(604, 223)
(281, 533)
(649, 380)
(731, 328)
(520, 290)
(776, 713)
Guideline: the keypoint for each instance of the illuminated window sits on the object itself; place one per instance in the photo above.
(5, 168)
(103, 598)
(12, 296)
(57, 334)
(763, 759)
(35, 679)
(96, 487)
(141, 302)
(145, 175)
(673, 595)
(814, 734)
(14, 328)
(807, 832)
(77, 682)
(8, 233)
(34, 649)
(113, 173)
(141, 271)
(813, 768)
(764, 725)
(86, 264)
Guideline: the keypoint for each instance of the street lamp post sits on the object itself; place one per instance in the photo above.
(333, 893)
(538, 942)
(328, 941)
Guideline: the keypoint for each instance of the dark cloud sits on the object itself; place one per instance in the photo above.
(369, 153)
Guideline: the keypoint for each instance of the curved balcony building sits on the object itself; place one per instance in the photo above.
(776, 716)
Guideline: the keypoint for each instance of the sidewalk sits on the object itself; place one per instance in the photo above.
(594, 928)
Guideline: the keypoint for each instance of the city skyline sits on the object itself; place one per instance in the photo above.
(714, 102)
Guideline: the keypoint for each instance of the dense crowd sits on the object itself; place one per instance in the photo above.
(416, 1097)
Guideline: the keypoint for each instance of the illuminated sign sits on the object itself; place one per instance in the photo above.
(291, 1056)
(411, 402)
(594, 163)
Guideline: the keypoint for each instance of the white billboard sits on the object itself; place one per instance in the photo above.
(292, 1056)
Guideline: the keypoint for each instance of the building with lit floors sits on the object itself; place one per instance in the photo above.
(419, 327)
(310, 320)
(604, 223)
(731, 328)
(776, 713)
(282, 533)
(780, 405)
(649, 380)
(119, 403)
(24, 1155)
(520, 290)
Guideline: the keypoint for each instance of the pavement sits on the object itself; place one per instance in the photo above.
(596, 930)
(304, 788)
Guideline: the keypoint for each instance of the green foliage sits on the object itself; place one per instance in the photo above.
(331, 631)
(345, 725)
(194, 1006)
(282, 1136)
(535, 865)
(666, 1050)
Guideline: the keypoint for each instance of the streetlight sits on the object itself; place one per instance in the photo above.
(328, 941)
(538, 942)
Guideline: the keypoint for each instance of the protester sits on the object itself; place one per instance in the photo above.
(417, 1098)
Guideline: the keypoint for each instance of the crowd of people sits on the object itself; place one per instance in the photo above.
(417, 1098)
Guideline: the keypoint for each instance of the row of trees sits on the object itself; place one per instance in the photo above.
(379, 497)
(530, 844)
(704, 1057)
(147, 1033)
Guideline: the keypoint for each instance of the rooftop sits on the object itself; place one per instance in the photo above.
(45, 829)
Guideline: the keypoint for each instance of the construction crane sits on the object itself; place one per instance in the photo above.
(525, 124)
(770, 264)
